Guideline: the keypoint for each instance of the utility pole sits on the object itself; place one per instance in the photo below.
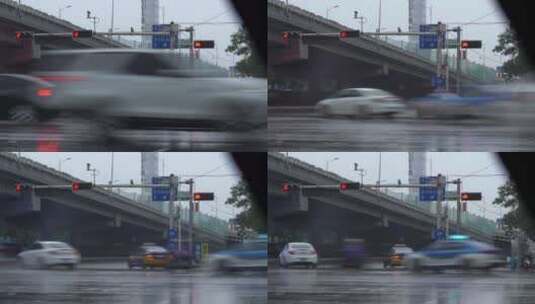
(439, 50)
(361, 21)
(379, 16)
(190, 249)
(93, 172)
(458, 182)
(112, 15)
(458, 72)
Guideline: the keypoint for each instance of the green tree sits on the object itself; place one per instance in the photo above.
(241, 45)
(518, 216)
(508, 46)
(252, 216)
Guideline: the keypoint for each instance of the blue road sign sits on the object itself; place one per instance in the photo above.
(430, 41)
(171, 234)
(160, 194)
(171, 245)
(430, 194)
(161, 41)
(439, 234)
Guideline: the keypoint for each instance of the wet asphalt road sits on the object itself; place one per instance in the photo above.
(114, 283)
(75, 136)
(399, 286)
(310, 132)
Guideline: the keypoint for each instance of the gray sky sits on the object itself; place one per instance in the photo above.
(128, 14)
(396, 13)
(221, 171)
(395, 166)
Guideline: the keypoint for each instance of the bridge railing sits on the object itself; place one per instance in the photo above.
(203, 221)
(476, 222)
(469, 68)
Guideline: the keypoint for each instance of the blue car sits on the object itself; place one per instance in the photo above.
(456, 253)
(487, 104)
(249, 255)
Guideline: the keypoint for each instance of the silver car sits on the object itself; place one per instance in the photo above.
(362, 102)
(149, 89)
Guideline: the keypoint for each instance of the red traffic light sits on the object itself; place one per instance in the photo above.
(203, 196)
(285, 187)
(203, 44)
(81, 186)
(19, 187)
(471, 44)
(471, 196)
(21, 35)
(349, 186)
(285, 36)
(349, 34)
(82, 34)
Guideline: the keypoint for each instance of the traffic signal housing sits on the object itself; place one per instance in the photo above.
(471, 196)
(349, 34)
(287, 35)
(471, 44)
(20, 187)
(286, 187)
(23, 35)
(82, 34)
(349, 186)
(81, 186)
(203, 44)
(203, 196)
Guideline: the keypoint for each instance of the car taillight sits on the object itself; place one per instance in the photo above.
(149, 256)
(291, 252)
(45, 92)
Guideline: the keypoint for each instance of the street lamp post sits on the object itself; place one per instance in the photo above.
(329, 161)
(112, 15)
(60, 161)
(60, 10)
(379, 16)
(330, 9)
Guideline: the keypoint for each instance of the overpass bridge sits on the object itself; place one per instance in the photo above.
(15, 17)
(317, 67)
(97, 221)
(327, 216)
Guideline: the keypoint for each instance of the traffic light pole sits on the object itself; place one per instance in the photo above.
(458, 183)
(190, 241)
(458, 72)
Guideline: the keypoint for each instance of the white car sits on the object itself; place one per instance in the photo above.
(298, 254)
(362, 102)
(46, 254)
(149, 89)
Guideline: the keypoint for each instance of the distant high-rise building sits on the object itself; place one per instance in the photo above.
(417, 168)
(150, 15)
(149, 169)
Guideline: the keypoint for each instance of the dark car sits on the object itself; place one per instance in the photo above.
(354, 252)
(149, 256)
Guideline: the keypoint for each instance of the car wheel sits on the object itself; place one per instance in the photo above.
(41, 263)
(415, 265)
(21, 262)
(325, 111)
(466, 264)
